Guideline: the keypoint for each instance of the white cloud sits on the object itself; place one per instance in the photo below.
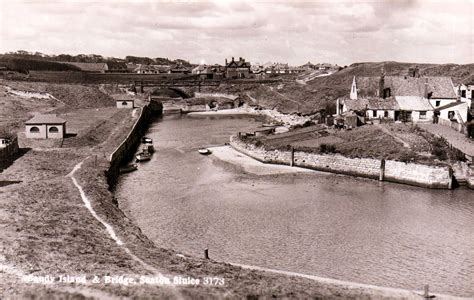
(341, 32)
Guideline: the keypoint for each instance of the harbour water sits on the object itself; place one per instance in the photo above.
(314, 223)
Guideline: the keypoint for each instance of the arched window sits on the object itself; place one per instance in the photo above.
(124, 103)
(34, 129)
(53, 129)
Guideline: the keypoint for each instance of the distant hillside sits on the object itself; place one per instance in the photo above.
(17, 64)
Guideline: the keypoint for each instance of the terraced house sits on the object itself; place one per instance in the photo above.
(410, 98)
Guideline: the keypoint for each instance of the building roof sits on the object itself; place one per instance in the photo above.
(413, 103)
(449, 105)
(90, 67)
(116, 65)
(45, 119)
(241, 63)
(373, 103)
(439, 87)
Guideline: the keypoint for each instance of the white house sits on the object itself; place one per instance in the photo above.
(408, 98)
(125, 103)
(466, 92)
(45, 127)
(456, 111)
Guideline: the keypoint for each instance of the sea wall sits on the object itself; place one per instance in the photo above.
(380, 169)
(221, 95)
(126, 149)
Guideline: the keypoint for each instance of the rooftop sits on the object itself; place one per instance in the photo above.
(439, 87)
(45, 119)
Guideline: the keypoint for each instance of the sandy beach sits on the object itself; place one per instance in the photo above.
(251, 165)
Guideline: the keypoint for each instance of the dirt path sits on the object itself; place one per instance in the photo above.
(108, 227)
(405, 144)
(457, 139)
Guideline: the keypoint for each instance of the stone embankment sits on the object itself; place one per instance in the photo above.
(383, 170)
(126, 149)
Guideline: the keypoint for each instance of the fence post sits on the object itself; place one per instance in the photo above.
(450, 178)
(292, 159)
(382, 170)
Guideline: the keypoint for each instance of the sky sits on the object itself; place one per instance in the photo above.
(295, 32)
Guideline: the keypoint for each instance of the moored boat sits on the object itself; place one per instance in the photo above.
(148, 148)
(147, 140)
(204, 151)
(143, 156)
(128, 168)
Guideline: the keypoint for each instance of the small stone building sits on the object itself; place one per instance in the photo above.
(45, 127)
(125, 103)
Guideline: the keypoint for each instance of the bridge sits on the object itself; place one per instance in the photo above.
(180, 83)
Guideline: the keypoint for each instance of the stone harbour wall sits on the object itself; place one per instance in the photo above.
(383, 170)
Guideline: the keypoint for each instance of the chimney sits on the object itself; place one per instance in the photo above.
(382, 85)
(226, 61)
(425, 94)
(232, 58)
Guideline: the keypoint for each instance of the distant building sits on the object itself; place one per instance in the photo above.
(45, 127)
(116, 67)
(125, 103)
(206, 72)
(152, 69)
(237, 69)
(180, 69)
(90, 67)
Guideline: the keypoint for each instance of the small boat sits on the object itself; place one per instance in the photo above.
(128, 168)
(147, 140)
(142, 156)
(204, 151)
(148, 148)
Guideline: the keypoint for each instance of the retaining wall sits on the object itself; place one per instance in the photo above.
(125, 151)
(384, 170)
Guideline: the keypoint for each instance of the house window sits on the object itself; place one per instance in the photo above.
(374, 113)
(451, 114)
(385, 114)
(422, 114)
(463, 93)
(438, 103)
(53, 129)
(124, 103)
(386, 93)
(34, 129)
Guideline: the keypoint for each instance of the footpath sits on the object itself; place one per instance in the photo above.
(457, 139)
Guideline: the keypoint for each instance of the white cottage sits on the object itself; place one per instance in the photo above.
(45, 127)
(408, 98)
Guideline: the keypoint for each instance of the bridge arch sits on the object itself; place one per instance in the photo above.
(170, 92)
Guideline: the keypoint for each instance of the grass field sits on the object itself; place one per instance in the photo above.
(403, 142)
